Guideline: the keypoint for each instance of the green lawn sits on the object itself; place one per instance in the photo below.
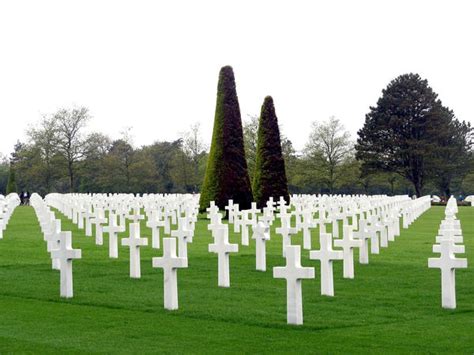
(393, 304)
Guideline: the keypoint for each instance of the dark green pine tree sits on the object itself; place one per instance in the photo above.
(226, 172)
(270, 175)
(11, 185)
(399, 134)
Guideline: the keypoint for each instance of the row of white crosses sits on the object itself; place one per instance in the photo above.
(243, 220)
(160, 211)
(293, 272)
(449, 242)
(59, 244)
(7, 206)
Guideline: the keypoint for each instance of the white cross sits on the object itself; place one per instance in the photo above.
(267, 217)
(88, 218)
(113, 229)
(282, 207)
(212, 210)
(335, 226)
(448, 264)
(326, 255)
(306, 224)
(253, 211)
(348, 243)
(245, 223)
(134, 242)
(65, 254)
(135, 217)
(222, 248)
(182, 234)
(237, 218)
(98, 220)
(54, 240)
(261, 233)
(170, 263)
(167, 221)
(372, 230)
(215, 222)
(271, 205)
(293, 272)
(285, 230)
(154, 223)
(363, 235)
(80, 217)
(230, 211)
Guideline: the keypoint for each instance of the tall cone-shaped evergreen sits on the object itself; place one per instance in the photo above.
(270, 175)
(226, 172)
(11, 184)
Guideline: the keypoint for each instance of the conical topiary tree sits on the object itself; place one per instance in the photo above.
(11, 185)
(270, 175)
(226, 173)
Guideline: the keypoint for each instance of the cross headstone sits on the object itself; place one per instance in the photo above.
(261, 233)
(170, 263)
(348, 243)
(113, 229)
(230, 211)
(363, 235)
(88, 221)
(285, 230)
(222, 248)
(154, 223)
(293, 272)
(182, 234)
(245, 224)
(306, 224)
(448, 264)
(98, 220)
(134, 242)
(136, 217)
(66, 254)
(326, 255)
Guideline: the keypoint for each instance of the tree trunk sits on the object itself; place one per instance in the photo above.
(71, 176)
(418, 188)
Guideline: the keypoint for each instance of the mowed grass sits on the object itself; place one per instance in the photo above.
(392, 305)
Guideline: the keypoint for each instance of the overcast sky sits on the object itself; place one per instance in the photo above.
(153, 65)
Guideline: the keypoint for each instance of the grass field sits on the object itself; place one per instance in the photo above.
(392, 305)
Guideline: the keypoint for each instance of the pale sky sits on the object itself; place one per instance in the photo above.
(153, 65)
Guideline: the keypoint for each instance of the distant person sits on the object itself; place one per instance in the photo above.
(21, 198)
(27, 198)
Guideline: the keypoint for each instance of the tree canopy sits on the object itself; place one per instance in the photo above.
(269, 175)
(226, 173)
(402, 133)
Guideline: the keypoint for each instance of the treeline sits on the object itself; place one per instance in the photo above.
(410, 144)
(59, 157)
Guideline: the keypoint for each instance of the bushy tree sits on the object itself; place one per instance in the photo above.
(400, 133)
(226, 173)
(250, 128)
(329, 147)
(11, 185)
(70, 123)
(269, 175)
(450, 160)
(4, 173)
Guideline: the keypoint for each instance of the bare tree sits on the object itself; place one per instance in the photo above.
(193, 147)
(329, 146)
(250, 129)
(45, 139)
(70, 124)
